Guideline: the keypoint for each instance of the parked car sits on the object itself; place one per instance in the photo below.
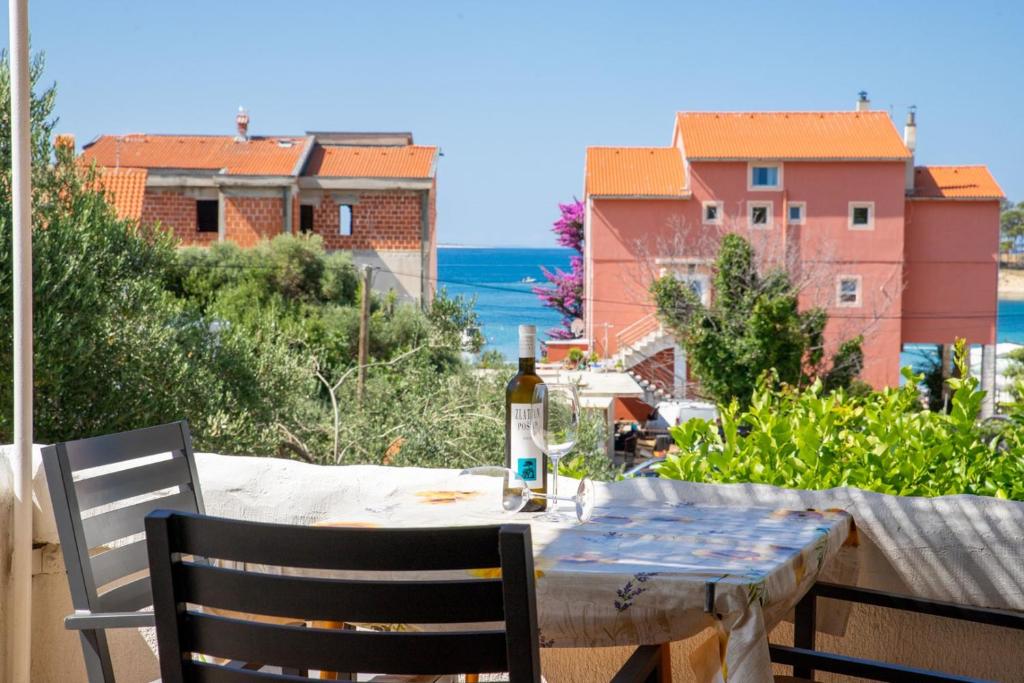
(644, 470)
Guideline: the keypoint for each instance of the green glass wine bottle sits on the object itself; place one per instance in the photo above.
(522, 455)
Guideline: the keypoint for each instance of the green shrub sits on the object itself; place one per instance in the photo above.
(882, 441)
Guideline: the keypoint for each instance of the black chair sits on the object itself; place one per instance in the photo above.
(198, 604)
(805, 660)
(99, 516)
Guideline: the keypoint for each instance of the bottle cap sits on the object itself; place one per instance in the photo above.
(527, 341)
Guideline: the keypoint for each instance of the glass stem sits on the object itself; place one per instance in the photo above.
(554, 481)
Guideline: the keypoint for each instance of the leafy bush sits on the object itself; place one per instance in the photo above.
(752, 325)
(807, 439)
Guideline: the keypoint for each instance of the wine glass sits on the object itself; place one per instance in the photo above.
(554, 431)
(515, 493)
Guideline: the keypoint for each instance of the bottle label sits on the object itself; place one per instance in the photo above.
(526, 456)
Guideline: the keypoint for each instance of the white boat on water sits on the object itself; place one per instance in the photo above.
(528, 280)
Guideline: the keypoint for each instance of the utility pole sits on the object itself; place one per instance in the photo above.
(364, 333)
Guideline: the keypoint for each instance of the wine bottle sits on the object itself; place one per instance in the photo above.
(521, 453)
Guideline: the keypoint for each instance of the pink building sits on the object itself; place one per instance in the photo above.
(895, 253)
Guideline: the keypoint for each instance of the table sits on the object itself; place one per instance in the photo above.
(640, 574)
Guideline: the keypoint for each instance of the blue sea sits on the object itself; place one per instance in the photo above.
(504, 301)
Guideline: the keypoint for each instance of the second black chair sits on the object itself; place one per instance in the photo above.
(222, 613)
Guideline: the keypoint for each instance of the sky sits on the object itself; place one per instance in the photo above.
(514, 92)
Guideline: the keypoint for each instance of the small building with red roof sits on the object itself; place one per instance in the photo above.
(373, 194)
(898, 253)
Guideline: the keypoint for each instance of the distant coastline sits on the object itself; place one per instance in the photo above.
(1011, 284)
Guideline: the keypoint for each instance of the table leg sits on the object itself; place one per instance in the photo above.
(665, 650)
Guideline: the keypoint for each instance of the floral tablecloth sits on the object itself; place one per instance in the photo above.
(640, 574)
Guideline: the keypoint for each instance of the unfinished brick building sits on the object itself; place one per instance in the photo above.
(373, 194)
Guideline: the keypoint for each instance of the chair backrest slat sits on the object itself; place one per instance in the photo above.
(409, 602)
(358, 549)
(130, 597)
(95, 555)
(113, 448)
(296, 647)
(119, 562)
(252, 600)
(213, 673)
(135, 481)
(127, 521)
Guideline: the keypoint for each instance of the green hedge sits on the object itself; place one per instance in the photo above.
(882, 441)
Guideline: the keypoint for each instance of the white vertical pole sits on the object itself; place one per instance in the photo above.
(988, 380)
(20, 626)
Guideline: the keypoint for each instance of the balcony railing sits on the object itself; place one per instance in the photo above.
(636, 331)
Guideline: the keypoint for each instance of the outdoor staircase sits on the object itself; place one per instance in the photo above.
(638, 342)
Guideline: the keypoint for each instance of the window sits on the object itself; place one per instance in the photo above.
(711, 213)
(848, 291)
(345, 219)
(759, 214)
(762, 176)
(306, 218)
(795, 212)
(207, 215)
(699, 284)
(862, 215)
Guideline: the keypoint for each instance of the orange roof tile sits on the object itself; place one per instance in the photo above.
(635, 171)
(126, 188)
(955, 182)
(412, 161)
(790, 136)
(256, 156)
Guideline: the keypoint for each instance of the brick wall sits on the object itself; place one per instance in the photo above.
(658, 369)
(176, 212)
(247, 220)
(383, 221)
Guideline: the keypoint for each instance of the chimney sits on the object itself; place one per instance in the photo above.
(242, 121)
(910, 140)
(863, 103)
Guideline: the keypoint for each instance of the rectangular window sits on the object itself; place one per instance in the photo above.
(699, 284)
(796, 212)
(759, 214)
(306, 218)
(862, 216)
(345, 220)
(848, 291)
(711, 213)
(762, 176)
(207, 215)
